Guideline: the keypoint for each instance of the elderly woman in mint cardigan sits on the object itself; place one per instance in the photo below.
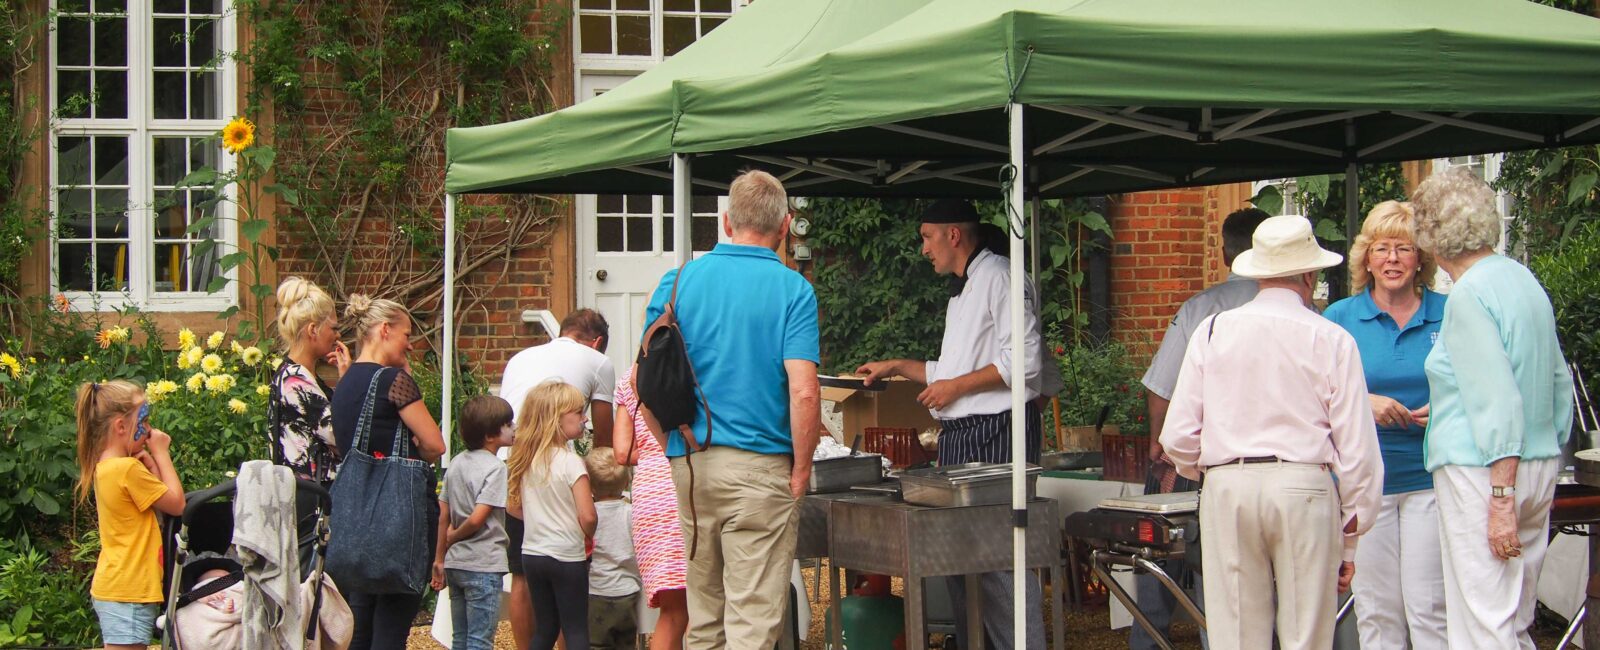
(1501, 402)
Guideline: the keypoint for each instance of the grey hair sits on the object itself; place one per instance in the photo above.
(1456, 214)
(757, 203)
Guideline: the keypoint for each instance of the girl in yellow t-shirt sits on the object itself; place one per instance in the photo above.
(126, 464)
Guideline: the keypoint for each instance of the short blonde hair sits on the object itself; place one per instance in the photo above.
(300, 303)
(366, 313)
(606, 477)
(757, 203)
(1456, 214)
(1388, 220)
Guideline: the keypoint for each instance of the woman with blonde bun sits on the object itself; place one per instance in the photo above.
(299, 413)
(383, 339)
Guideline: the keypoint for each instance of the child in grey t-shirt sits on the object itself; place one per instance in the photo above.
(471, 555)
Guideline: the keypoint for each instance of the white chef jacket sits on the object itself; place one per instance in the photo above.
(977, 334)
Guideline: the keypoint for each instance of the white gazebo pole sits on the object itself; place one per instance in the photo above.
(1019, 385)
(447, 374)
(682, 195)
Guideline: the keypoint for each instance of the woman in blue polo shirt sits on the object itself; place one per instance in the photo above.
(1394, 319)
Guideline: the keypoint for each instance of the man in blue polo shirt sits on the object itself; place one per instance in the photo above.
(750, 324)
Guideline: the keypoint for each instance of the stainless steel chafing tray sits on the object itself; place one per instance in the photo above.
(838, 474)
(969, 484)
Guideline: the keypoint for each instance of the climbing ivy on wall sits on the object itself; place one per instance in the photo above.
(359, 96)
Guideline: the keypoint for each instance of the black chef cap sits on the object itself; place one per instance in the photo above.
(950, 211)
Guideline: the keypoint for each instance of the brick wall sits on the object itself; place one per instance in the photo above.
(1159, 242)
(1167, 246)
(492, 297)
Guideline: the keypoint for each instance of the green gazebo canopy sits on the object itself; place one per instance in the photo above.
(904, 97)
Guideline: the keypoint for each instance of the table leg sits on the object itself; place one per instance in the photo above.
(975, 631)
(916, 631)
(1591, 621)
(1058, 606)
(836, 630)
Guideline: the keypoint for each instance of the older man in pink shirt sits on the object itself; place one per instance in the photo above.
(1271, 404)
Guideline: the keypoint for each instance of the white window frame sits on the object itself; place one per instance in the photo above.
(612, 63)
(140, 127)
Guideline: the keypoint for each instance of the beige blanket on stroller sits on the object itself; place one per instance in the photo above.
(214, 622)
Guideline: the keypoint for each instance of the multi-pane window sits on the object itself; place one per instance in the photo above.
(629, 223)
(138, 87)
(646, 28)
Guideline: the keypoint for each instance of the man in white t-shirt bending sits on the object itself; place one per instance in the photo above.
(578, 358)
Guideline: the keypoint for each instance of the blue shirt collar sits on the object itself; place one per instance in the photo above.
(744, 251)
(1431, 311)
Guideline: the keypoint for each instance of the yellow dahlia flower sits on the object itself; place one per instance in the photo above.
(211, 363)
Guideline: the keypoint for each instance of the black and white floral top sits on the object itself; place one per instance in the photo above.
(302, 423)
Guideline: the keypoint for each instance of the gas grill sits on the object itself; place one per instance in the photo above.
(1134, 531)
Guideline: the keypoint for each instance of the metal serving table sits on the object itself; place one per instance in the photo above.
(880, 534)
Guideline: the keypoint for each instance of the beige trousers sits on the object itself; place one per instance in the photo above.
(738, 589)
(1270, 531)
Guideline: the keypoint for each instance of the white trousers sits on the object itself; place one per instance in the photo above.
(1271, 532)
(1489, 602)
(1401, 547)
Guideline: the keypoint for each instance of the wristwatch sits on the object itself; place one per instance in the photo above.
(1502, 491)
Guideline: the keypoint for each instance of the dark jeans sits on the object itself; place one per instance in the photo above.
(383, 621)
(560, 593)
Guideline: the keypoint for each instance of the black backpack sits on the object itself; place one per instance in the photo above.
(665, 380)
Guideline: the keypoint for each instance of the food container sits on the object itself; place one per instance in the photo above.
(1588, 467)
(969, 484)
(839, 474)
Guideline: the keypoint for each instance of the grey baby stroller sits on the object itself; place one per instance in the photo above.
(205, 581)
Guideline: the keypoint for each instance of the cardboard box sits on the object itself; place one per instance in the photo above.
(896, 406)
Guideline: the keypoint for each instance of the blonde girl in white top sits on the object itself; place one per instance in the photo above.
(549, 489)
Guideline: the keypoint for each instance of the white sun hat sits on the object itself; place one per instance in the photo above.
(1281, 247)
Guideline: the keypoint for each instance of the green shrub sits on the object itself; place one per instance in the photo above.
(210, 395)
(1569, 274)
(44, 594)
(1097, 376)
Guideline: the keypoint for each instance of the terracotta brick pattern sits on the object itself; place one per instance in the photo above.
(491, 298)
(1167, 246)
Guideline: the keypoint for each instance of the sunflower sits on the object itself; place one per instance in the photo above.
(238, 406)
(238, 135)
(211, 363)
(186, 339)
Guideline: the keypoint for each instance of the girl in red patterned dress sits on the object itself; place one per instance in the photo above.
(657, 533)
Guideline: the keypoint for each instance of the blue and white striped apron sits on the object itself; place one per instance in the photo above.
(986, 438)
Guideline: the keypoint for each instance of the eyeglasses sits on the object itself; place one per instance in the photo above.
(1386, 251)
